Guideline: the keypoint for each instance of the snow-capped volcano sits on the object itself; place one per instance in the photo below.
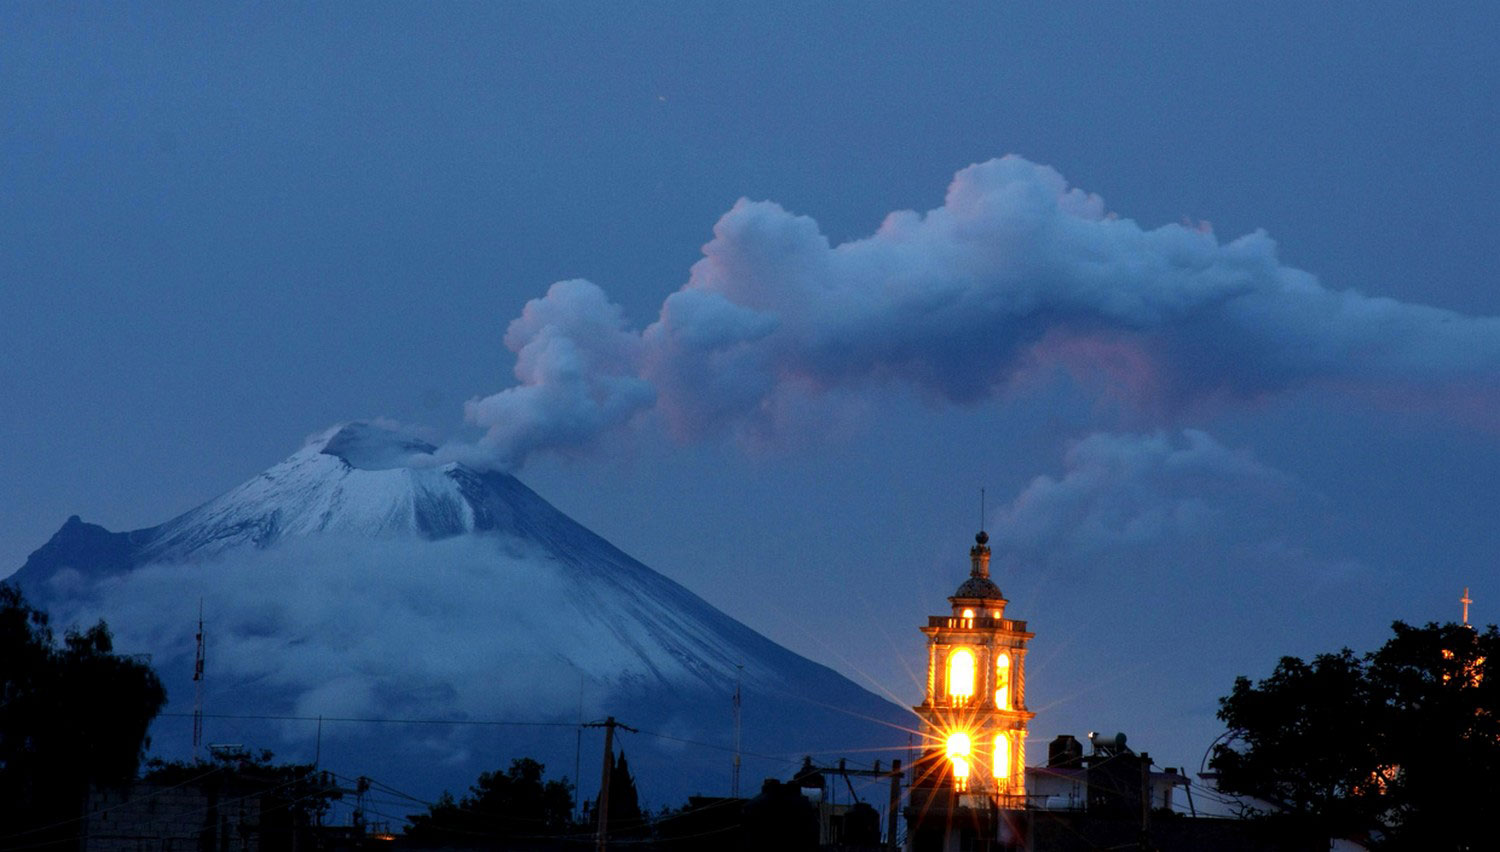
(363, 480)
(364, 577)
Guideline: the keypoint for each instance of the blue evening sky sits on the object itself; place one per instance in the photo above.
(224, 227)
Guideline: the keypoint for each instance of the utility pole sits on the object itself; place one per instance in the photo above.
(895, 800)
(1145, 802)
(603, 805)
(609, 725)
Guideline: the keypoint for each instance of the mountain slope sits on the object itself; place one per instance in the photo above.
(362, 578)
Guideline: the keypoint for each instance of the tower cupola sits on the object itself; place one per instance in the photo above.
(978, 594)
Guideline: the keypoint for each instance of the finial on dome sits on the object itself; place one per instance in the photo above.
(979, 585)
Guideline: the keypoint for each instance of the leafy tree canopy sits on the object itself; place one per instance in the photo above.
(71, 715)
(514, 804)
(1399, 747)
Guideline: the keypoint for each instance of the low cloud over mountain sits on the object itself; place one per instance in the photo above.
(359, 579)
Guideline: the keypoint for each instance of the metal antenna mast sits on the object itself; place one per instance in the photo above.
(578, 744)
(734, 785)
(198, 687)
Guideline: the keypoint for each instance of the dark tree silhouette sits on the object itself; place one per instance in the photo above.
(70, 716)
(515, 804)
(625, 817)
(1400, 747)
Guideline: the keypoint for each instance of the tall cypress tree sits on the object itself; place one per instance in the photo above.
(625, 817)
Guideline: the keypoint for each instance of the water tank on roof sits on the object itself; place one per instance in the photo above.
(1104, 744)
(1065, 752)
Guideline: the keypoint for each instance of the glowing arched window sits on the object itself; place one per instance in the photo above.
(961, 674)
(1002, 757)
(1002, 682)
(958, 755)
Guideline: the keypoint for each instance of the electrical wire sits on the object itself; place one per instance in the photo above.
(287, 717)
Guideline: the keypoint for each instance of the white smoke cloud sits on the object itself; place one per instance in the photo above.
(578, 367)
(1015, 270)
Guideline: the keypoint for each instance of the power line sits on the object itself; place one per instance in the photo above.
(288, 717)
(374, 720)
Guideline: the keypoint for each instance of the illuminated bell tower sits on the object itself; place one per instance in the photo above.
(974, 715)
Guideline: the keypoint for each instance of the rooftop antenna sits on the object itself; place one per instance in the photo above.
(578, 742)
(1466, 600)
(734, 786)
(198, 688)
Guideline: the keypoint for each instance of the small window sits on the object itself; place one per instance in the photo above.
(1002, 682)
(961, 674)
(958, 755)
(1002, 757)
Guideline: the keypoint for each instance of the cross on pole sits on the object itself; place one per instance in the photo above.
(1465, 600)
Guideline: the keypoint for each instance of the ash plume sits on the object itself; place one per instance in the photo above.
(1017, 274)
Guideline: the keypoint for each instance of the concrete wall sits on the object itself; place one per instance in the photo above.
(146, 817)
